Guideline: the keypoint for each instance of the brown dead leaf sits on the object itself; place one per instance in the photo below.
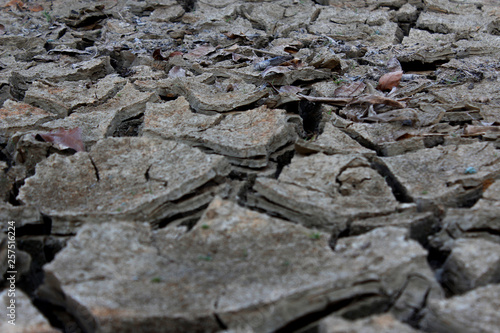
(375, 99)
(33, 7)
(177, 71)
(389, 80)
(2, 29)
(15, 5)
(71, 138)
(201, 51)
(290, 89)
(275, 70)
(350, 90)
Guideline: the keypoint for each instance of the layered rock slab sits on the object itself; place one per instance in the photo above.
(475, 311)
(451, 175)
(27, 318)
(123, 178)
(237, 267)
(246, 138)
(325, 192)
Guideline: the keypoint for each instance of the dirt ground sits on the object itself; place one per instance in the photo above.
(250, 166)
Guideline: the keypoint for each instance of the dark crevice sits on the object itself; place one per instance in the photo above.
(397, 188)
(189, 222)
(96, 171)
(313, 317)
(283, 160)
(220, 322)
(187, 5)
(129, 127)
(418, 66)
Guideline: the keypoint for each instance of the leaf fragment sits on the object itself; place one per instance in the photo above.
(71, 138)
(389, 80)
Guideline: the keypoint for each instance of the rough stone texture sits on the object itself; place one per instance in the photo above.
(91, 69)
(325, 192)
(419, 225)
(439, 175)
(239, 265)
(28, 318)
(123, 179)
(332, 141)
(62, 98)
(17, 116)
(475, 311)
(248, 138)
(377, 324)
(471, 264)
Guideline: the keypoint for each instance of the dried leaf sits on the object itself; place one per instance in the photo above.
(157, 55)
(350, 90)
(15, 5)
(35, 7)
(389, 80)
(290, 89)
(375, 99)
(2, 29)
(201, 51)
(275, 70)
(71, 138)
(177, 71)
(341, 101)
(272, 62)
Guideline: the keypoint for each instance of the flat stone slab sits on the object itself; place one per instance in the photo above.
(247, 138)
(27, 318)
(472, 263)
(235, 268)
(475, 311)
(450, 175)
(19, 116)
(209, 97)
(325, 192)
(138, 179)
(62, 98)
(332, 141)
(385, 323)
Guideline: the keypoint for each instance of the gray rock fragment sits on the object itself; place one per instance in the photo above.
(419, 225)
(332, 141)
(475, 311)
(210, 97)
(137, 179)
(325, 192)
(472, 263)
(450, 175)
(56, 72)
(246, 138)
(62, 98)
(385, 323)
(18, 116)
(27, 318)
(235, 266)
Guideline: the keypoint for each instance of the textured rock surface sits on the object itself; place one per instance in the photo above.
(122, 179)
(28, 318)
(125, 119)
(325, 192)
(475, 311)
(375, 324)
(237, 267)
